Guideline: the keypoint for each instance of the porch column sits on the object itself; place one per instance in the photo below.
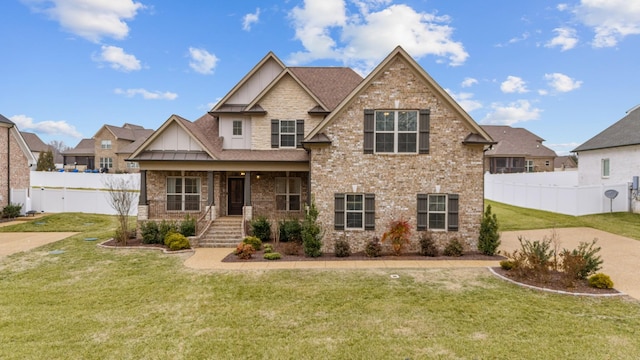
(247, 188)
(143, 188)
(309, 187)
(211, 199)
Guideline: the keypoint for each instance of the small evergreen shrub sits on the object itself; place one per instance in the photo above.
(176, 241)
(253, 241)
(428, 245)
(261, 228)
(268, 248)
(273, 256)
(244, 251)
(601, 281)
(311, 233)
(290, 231)
(164, 228)
(149, 231)
(11, 211)
(373, 248)
(342, 248)
(592, 262)
(489, 238)
(507, 264)
(454, 248)
(188, 226)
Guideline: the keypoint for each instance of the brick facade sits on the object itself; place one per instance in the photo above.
(17, 177)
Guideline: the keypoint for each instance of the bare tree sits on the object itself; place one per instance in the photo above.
(121, 197)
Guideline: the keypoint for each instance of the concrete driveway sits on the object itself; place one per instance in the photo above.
(621, 255)
(14, 242)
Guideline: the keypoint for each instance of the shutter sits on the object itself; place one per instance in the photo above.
(275, 133)
(299, 132)
(339, 211)
(423, 137)
(452, 210)
(369, 211)
(369, 125)
(423, 213)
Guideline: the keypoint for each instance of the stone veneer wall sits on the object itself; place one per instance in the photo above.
(397, 179)
(19, 172)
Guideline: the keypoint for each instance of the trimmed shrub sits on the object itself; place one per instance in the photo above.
(253, 241)
(176, 241)
(11, 211)
(507, 264)
(244, 251)
(454, 248)
(489, 238)
(428, 245)
(342, 248)
(273, 256)
(373, 248)
(268, 248)
(164, 228)
(601, 281)
(261, 228)
(188, 226)
(291, 231)
(149, 231)
(311, 233)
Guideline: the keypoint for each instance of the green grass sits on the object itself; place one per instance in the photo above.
(94, 303)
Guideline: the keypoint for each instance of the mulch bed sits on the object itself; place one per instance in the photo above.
(556, 282)
(131, 243)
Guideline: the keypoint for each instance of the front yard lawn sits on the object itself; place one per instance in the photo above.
(95, 303)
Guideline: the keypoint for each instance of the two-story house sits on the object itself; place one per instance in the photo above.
(517, 150)
(391, 146)
(16, 160)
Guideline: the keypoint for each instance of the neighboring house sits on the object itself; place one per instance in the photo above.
(367, 151)
(612, 156)
(35, 144)
(565, 163)
(108, 149)
(15, 162)
(517, 150)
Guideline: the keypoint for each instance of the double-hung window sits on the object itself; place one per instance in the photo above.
(105, 144)
(288, 193)
(287, 133)
(396, 131)
(183, 193)
(438, 212)
(355, 211)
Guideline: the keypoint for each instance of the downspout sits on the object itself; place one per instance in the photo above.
(9, 165)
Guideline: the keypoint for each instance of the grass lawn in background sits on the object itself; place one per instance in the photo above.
(95, 303)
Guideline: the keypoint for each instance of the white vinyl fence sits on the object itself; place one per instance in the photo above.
(556, 192)
(55, 192)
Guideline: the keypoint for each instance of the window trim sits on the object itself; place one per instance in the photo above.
(347, 211)
(288, 193)
(105, 144)
(396, 131)
(605, 168)
(369, 212)
(183, 193)
(109, 162)
(240, 128)
(451, 211)
(529, 166)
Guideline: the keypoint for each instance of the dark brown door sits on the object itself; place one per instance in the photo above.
(236, 196)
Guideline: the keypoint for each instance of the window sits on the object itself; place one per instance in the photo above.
(547, 163)
(396, 131)
(288, 194)
(237, 127)
(287, 133)
(437, 212)
(605, 168)
(354, 211)
(132, 165)
(529, 166)
(183, 193)
(105, 144)
(106, 163)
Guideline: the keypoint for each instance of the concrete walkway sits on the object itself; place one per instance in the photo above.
(14, 242)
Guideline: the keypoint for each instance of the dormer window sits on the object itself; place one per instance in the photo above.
(237, 127)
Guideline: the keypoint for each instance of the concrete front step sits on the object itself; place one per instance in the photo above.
(224, 232)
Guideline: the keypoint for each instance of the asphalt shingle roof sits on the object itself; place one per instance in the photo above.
(516, 141)
(624, 132)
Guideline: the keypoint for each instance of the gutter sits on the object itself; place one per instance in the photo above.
(9, 164)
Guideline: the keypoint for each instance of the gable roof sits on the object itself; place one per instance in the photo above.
(84, 147)
(34, 142)
(128, 132)
(516, 142)
(624, 132)
(400, 52)
(329, 84)
(5, 121)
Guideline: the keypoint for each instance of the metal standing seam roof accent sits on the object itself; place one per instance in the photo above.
(624, 132)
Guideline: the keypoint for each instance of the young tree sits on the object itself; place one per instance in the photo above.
(121, 197)
(45, 161)
(489, 238)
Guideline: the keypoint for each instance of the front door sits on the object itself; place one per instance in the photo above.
(236, 196)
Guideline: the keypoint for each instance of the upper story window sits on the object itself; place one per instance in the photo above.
(105, 144)
(605, 168)
(287, 133)
(396, 131)
(237, 127)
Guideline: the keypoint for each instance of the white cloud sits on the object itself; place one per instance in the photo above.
(515, 112)
(465, 100)
(468, 82)
(250, 19)
(561, 82)
(146, 94)
(202, 61)
(364, 37)
(90, 19)
(57, 128)
(513, 84)
(118, 59)
(611, 20)
(565, 38)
